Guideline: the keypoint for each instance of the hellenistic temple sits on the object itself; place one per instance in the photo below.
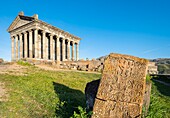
(32, 38)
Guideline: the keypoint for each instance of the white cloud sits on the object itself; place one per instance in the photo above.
(151, 50)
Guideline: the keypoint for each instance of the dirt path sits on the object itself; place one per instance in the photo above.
(12, 69)
(3, 92)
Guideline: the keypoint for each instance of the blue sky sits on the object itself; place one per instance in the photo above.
(135, 27)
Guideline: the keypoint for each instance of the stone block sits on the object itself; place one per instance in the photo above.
(121, 88)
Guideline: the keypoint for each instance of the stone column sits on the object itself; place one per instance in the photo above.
(36, 43)
(39, 46)
(51, 47)
(16, 48)
(44, 45)
(30, 44)
(77, 51)
(58, 48)
(12, 48)
(68, 50)
(72, 50)
(21, 46)
(25, 45)
(63, 49)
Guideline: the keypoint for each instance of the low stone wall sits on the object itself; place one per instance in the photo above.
(89, 65)
(81, 65)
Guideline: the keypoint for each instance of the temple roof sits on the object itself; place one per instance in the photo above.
(21, 20)
(28, 18)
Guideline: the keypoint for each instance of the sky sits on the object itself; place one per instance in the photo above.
(135, 27)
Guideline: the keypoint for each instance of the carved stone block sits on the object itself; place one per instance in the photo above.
(121, 88)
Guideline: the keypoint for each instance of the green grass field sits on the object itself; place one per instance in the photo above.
(41, 93)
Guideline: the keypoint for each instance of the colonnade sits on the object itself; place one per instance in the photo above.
(40, 44)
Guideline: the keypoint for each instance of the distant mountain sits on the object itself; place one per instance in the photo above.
(161, 60)
(163, 65)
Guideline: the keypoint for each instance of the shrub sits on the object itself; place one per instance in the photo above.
(82, 113)
(23, 63)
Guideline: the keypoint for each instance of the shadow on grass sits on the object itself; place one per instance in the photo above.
(69, 98)
(163, 89)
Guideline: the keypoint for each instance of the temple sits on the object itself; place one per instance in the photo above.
(34, 39)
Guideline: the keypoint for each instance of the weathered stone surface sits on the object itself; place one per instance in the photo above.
(1, 60)
(100, 68)
(82, 68)
(91, 91)
(146, 100)
(121, 88)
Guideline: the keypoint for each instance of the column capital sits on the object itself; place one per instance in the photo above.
(76, 42)
(51, 34)
(68, 40)
(12, 37)
(29, 31)
(35, 28)
(20, 34)
(43, 31)
(73, 42)
(57, 36)
(24, 32)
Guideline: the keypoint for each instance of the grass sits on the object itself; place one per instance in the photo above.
(164, 68)
(44, 93)
(41, 93)
(160, 101)
(23, 63)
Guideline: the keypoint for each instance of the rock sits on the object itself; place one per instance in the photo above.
(100, 68)
(64, 64)
(92, 88)
(83, 68)
(1, 60)
(73, 64)
(81, 59)
(73, 68)
(122, 87)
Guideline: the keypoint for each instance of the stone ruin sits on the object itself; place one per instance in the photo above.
(1, 60)
(94, 65)
(122, 87)
(81, 65)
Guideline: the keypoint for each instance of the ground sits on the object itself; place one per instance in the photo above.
(12, 69)
(3, 92)
(27, 91)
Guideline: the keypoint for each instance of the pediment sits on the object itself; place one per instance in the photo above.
(18, 22)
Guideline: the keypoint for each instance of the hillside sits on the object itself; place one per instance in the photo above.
(163, 65)
(34, 92)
